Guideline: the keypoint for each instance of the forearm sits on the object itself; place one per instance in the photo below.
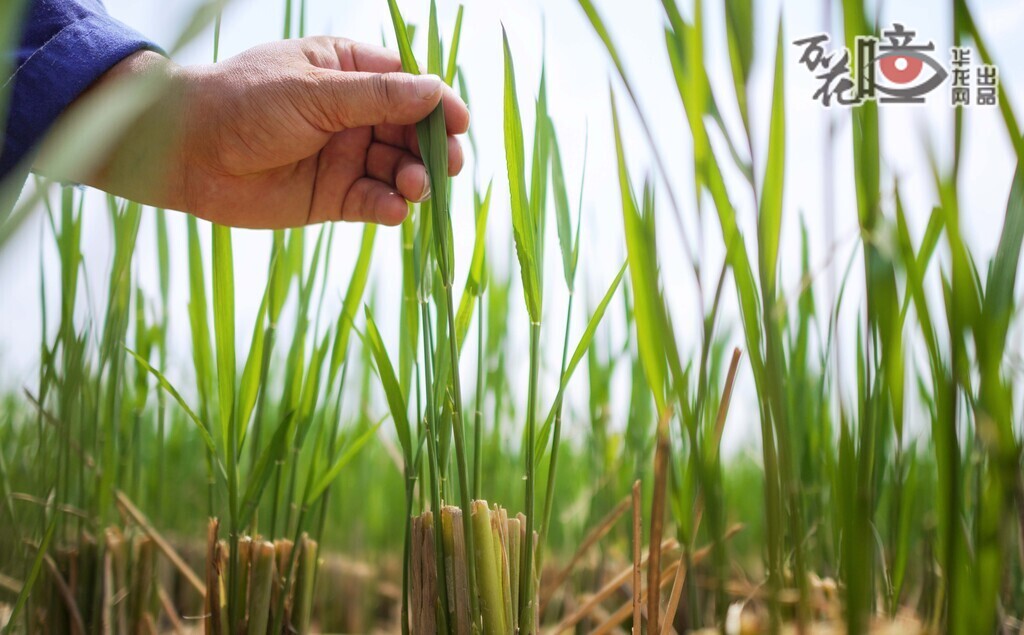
(142, 158)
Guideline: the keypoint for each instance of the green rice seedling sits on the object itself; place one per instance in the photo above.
(528, 222)
(202, 353)
(162, 327)
(236, 410)
(433, 140)
(476, 284)
(970, 599)
(650, 319)
(526, 229)
(285, 256)
(684, 45)
(872, 435)
(570, 260)
(551, 427)
(443, 412)
(340, 350)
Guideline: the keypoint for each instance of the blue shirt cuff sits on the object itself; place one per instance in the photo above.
(53, 75)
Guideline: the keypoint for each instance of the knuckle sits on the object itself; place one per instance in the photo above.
(380, 90)
(319, 40)
(322, 98)
(354, 203)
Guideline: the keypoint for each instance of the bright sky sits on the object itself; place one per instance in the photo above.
(578, 81)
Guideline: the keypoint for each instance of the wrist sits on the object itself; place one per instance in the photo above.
(145, 162)
(128, 128)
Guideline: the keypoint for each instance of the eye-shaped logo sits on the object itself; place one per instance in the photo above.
(899, 64)
(892, 69)
(905, 77)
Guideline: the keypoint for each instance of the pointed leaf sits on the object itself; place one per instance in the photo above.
(523, 225)
(392, 389)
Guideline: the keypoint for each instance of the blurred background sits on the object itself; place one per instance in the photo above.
(579, 72)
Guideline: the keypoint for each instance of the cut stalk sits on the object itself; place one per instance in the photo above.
(263, 569)
(499, 529)
(514, 536)
(424, 577)
(458, 591)
(245, 558)
(491, 603)
(302, 608)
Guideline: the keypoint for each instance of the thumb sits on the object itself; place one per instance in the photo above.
(353, 99)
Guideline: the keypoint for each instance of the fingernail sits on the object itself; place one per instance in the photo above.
(426, 86)
(426, 189)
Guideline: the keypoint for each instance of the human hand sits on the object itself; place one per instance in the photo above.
(285, 134)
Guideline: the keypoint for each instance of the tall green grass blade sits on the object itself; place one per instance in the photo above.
(33, 573)
(332, 473)
(453, 52)
(602, 32)
(963, 13)
(915, 276)
(224, 329)
(173, 392)
(433, 139)
(224, 338)
(404, 38)
(555, 414)
(643, 272)
(538, 194)
(353, 297)
(995, 404)
(392, 389)
(562, 222)
(125, 221)
(582, 347)
(476, 278)
(250, 385)
(202, 354)
(523, 222)
(769, 223)
(997, 308)
(259, 475)
(409, 321)
(435, 54)
(739, 29)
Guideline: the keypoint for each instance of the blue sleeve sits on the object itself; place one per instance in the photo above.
(65, 46)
